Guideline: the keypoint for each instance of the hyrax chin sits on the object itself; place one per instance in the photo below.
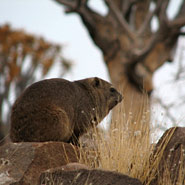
(60, 110)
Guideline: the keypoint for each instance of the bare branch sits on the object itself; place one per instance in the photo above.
(121, 19)
(181, 12)
(146, 23)
(80, 7)
(149, 18)
(177, 23)
(162, 11)
(73, 6)
(93, 21)
(164, 25)
(179, 20)
(126, 7)
(151, 43)
(69, 4)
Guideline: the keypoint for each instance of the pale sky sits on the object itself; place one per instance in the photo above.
(46, 18)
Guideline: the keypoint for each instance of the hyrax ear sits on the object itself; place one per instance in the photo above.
(96, 82)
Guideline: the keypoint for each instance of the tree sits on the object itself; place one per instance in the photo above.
(24, 58)
(132, 50)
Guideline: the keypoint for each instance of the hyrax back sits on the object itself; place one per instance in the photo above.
(60, 110)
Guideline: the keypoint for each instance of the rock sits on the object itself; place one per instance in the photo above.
(22, 163)
(87, 177)
(171, 166)
(67, 167)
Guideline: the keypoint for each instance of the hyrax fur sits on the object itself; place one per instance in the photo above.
(60, 110)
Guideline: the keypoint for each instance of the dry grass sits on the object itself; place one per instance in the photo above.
(126, 148)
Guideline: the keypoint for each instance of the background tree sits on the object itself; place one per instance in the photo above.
(132, 50)
(24, 58)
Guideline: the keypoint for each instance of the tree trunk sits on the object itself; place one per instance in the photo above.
(135, 80)
(134, 101)
(132, 50)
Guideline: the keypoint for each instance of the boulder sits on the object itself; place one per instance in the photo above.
(87, 177)
(22, 163)
(170, 157)
(69, 167)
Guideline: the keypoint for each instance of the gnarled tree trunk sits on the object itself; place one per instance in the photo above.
(132, 50)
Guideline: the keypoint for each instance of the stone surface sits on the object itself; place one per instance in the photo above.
(22, 163)
(69, 167)
(87, 177)
(171, 166)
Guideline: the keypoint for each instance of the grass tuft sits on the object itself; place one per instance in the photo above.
(126, 147)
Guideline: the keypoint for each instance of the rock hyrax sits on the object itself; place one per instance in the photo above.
(60, 110)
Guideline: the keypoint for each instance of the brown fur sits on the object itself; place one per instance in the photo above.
(60, 110)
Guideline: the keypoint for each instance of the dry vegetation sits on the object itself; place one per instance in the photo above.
(127, 148)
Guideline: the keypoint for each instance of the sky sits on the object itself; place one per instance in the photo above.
(46, 18)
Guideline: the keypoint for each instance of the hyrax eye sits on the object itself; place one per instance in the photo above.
(112, 90)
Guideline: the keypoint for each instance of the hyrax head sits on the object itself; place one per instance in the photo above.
(105, 95)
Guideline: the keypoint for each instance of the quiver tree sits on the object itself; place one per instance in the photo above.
(23, 59)
(132, 50)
